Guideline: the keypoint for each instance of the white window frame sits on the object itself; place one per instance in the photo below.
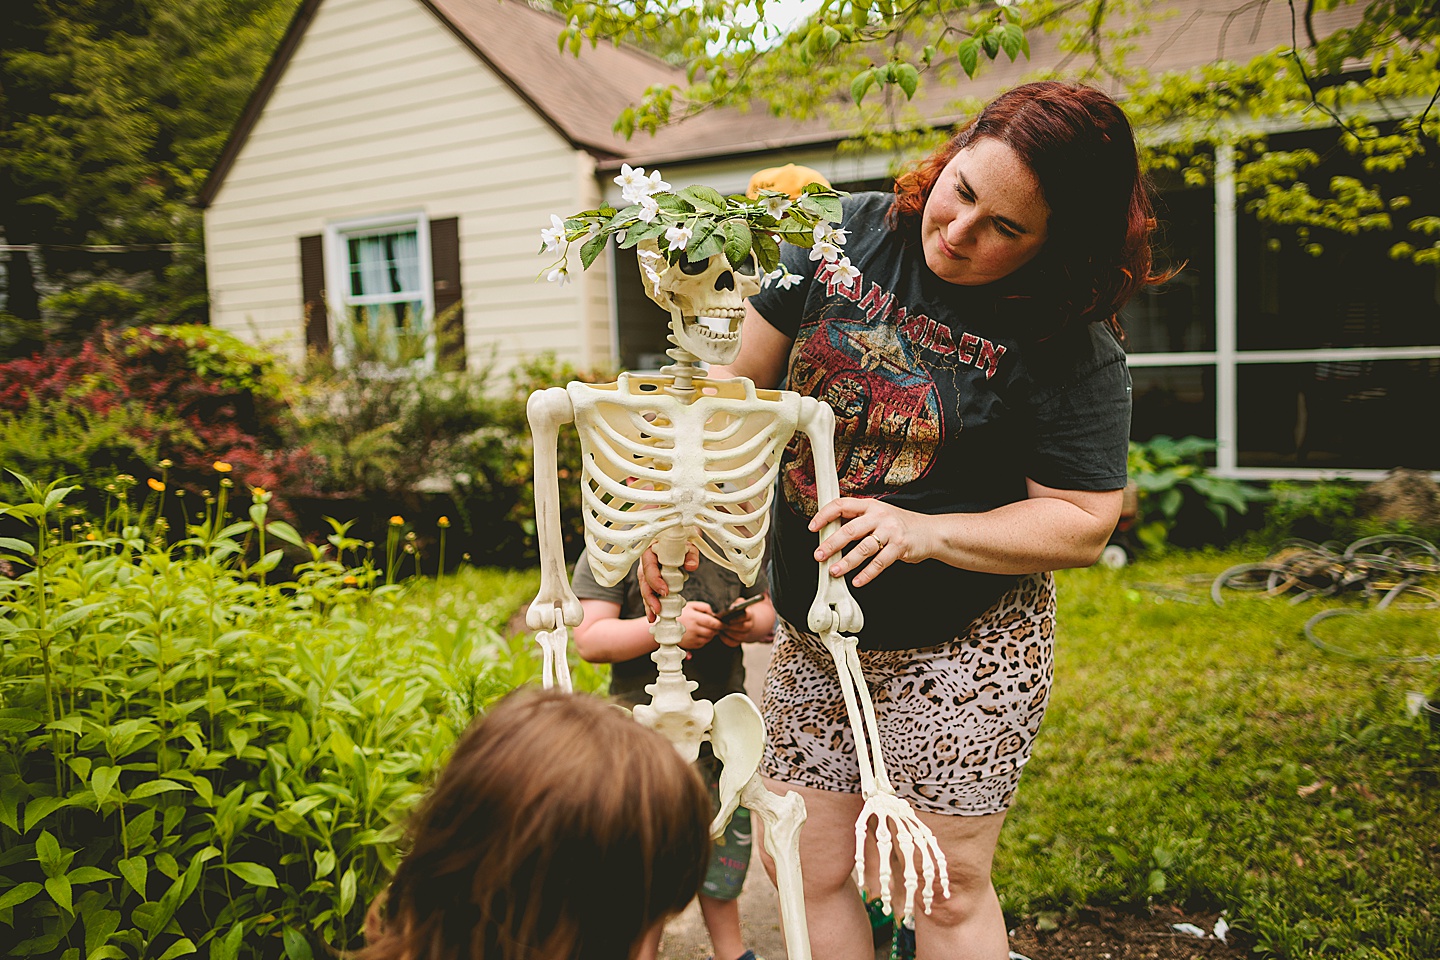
(1227, 357)
(337, 266)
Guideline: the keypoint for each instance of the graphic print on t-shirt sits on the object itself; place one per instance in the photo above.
(888, 422)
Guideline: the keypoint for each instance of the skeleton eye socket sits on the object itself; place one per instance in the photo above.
(748, 267)
(692, 268)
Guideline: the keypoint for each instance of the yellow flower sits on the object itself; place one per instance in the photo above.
(90, 536)
(156, 485)
(396, 520)
(221, 466)
(166, 464)
(443, 522)
(351, 581)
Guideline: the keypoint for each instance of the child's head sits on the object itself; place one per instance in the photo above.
(560, 829)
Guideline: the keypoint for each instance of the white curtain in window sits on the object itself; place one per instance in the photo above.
(407, 261)
(374, 273)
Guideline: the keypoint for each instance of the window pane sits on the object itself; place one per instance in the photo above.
(384, 264)
(1350, 293)
(1352, 415)
(1176, 401)
(1179, 315)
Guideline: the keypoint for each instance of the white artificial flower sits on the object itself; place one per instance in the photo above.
(559, 275)
(554, 235)
(655, 184)
(648, 261)
(630, 177)
(649, 209)
(844, 272)
(775, 205)
(635, 184)
(789, 279)
(825, 233)
(824, 250)
(677, 236)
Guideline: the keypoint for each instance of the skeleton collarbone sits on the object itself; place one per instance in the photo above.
(705, 463)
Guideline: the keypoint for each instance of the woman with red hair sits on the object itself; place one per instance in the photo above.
(968, 343)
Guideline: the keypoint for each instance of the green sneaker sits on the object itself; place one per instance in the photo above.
(881, 923)
(902, 947)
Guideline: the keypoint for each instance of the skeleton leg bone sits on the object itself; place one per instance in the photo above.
(783, 817)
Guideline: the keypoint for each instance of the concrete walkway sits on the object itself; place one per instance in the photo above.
(685, 937)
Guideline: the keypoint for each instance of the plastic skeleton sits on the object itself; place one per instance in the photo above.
(680, 459)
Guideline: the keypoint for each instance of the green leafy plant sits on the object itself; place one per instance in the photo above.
(1316, 511)
(452, 434)
(1165, 472)
(199, 756)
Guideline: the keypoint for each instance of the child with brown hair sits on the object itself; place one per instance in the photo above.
(721, 614)
(560, 829)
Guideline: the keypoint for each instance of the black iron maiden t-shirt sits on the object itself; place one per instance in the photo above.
(946, 399)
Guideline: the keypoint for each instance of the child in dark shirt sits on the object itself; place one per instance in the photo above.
(615, 631)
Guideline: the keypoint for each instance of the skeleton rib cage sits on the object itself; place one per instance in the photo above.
(706, 466)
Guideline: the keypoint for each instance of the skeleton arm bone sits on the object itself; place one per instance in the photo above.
(547, 411)
(832, 596)
(832, 612)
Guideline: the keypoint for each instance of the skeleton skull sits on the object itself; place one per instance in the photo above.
(693, 291)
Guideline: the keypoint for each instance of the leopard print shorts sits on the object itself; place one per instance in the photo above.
(956, 720)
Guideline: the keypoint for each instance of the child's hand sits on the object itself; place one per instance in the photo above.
(736, 629)
(700, 623)
(652, 585)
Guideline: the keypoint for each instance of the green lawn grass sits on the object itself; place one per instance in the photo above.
(1213, 758)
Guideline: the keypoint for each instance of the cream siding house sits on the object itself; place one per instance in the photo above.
(417, 147)
(386, 169)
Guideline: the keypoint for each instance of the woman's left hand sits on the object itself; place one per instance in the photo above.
(882, 535)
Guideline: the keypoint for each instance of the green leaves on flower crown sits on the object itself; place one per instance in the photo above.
(736, 226)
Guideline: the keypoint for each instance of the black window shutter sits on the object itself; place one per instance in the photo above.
(312, 287)
(445, 268)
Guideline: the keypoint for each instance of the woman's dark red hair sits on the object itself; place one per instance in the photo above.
(1080, 146)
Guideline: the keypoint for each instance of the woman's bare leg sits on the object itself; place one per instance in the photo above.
(970, 924)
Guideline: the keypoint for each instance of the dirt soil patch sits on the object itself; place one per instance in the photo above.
(1110, 935)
